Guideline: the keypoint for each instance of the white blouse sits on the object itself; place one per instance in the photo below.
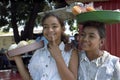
(106, 67)
(42, 65)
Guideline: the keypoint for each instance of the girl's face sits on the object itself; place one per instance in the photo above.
(90, 39)
(52, 29)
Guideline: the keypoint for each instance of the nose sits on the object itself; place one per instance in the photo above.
(50, 29)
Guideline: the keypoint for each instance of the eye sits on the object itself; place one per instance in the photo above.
(91, 36)
(45, 27)
(82, 34)
(54, 26)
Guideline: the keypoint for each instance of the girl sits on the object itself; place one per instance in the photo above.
(51, 62)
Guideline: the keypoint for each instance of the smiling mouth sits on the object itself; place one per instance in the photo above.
(51, 35)
(84, 44)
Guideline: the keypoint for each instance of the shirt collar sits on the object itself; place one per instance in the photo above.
(99, 61)
(83, 56)
(62, 46)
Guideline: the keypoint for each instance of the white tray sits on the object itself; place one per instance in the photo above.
(25, 49)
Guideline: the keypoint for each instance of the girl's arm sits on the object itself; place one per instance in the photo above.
(74, 63)
(21, 68)
(65, 72)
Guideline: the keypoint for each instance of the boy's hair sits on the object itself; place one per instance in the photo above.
(98, 25)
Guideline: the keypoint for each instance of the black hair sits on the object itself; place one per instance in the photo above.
(100, 26)
(76, 35)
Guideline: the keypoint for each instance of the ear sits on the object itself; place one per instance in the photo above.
(102, 42)
(63, 28)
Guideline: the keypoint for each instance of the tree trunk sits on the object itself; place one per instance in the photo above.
(28, 30)
(14, 22)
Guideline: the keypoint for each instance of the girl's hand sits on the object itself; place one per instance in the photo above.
(54, 49)
(12, 58)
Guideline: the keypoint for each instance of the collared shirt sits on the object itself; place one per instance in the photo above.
(42, 38)
(106, 67)
(42, 65)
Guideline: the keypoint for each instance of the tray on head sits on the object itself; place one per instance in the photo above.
(105, 16)
(25, 49)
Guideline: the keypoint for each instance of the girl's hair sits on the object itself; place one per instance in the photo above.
(47, 15)
(64, 37)
(98, 25)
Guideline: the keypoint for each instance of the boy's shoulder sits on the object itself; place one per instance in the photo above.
(112, 58)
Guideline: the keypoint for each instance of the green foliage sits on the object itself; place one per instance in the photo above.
(23, 10)
(3, 22)
(6, 29)
(73, 27)
(3, 14)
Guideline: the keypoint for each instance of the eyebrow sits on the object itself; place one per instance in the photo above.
(55, 24)
(92, 33)
(89, 33)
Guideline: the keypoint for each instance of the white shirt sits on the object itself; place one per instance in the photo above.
(42, 65)
(106, 67)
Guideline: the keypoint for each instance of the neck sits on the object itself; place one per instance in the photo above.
(94, 54)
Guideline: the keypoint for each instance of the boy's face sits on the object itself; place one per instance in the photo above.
(90, 39)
